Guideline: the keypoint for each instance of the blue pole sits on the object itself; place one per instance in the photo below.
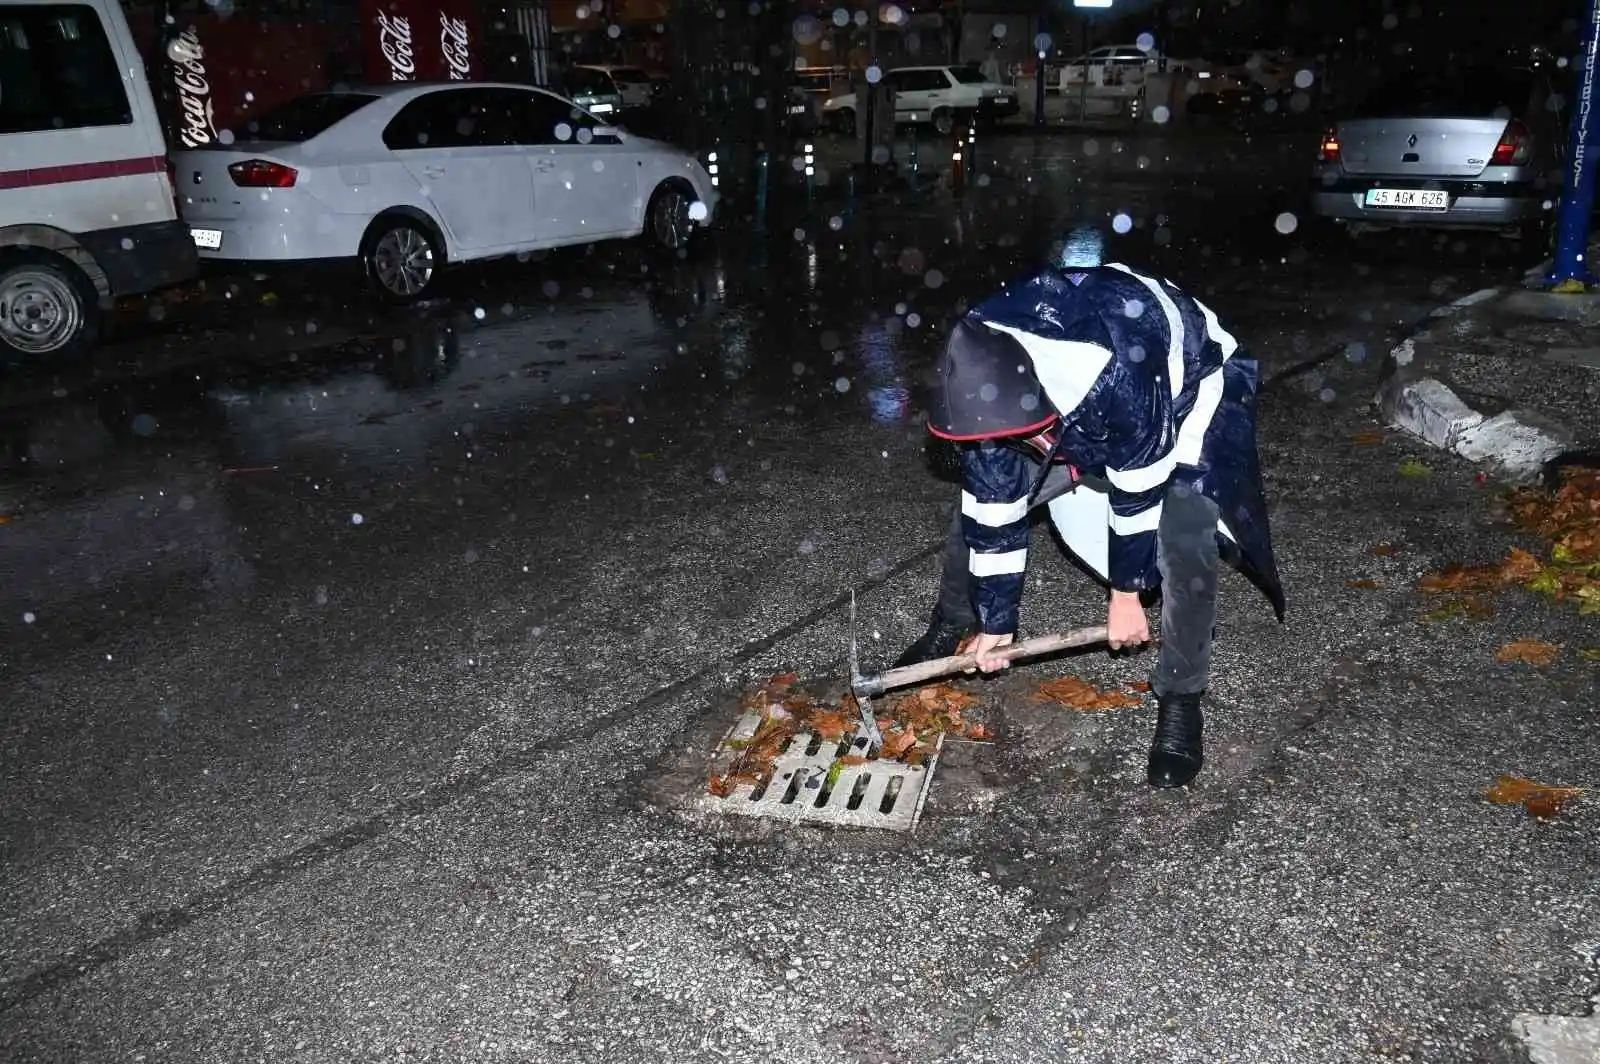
(1571, 272)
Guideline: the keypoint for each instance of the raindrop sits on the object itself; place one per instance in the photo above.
(1197, 584)
(983, 180)
(1135, 353)
(836, 223)
(799, 369)
(841, 17)
(999, 29)
(860, 18)
(1091, 147)
(1029, 401)
(899, 308)
(761, 103)
(507, 309)
(1142, 162)
(551, 288)
(321, 596)
(807, 547)
(1160, 115)
(1122, 223)
(1043, 42)
(798, 162)
(563, 131)
(613, 31)
(880, 155)
(1355, 351)
(1299, 103)
(224, 136)
(874, 75)
(585, 135)
(842, 385)
(913, 320)
(356, 519)
(1162, 236)
(933, 278)
(28, 618)
(1145, 42)
(1286, 223)
(127, 243)
(583, 12)
(912, 262)
(989, 393)
(470, 555)
(1326, 395)
(1303, 79)
(599, 165)
(144, 425)
(1270, 106)
(799, 234)
(1391, 20)
(479, 313)
(754, 8)
(719, 475)
(807, 30)
(698, 211)
(829, 340)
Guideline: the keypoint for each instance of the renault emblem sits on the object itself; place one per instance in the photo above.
(1411, 141)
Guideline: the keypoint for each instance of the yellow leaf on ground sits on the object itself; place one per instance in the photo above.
(1529, 652)
(1079, 694)
(1540, 799)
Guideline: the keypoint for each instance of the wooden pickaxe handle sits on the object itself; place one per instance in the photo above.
(909, 675)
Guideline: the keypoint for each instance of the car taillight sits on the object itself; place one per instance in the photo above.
(1515, 147)
(1328, 152)
(258, 173)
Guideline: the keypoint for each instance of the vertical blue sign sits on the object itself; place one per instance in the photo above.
(1571, 272)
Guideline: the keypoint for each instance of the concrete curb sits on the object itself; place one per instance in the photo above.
(1516, 444)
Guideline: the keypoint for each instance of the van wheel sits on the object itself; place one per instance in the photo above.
(843, 122)
(944, 123)
(48, 308)
(401, 258)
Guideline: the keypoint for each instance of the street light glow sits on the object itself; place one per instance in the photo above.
(1091, 3)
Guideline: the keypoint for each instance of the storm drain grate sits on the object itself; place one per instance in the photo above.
(878, 794)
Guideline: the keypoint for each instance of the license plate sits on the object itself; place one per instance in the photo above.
(210, 239)
(601, 109)
(1415, 199)
(1002, 99)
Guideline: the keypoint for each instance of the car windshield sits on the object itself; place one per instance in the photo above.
(968, 75)
(1465, 94)
(632, 75)
(580, 82)
(305, 116)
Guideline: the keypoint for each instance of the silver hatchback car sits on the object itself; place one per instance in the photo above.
(1465, 149)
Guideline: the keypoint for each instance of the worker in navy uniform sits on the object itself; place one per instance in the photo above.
(1122, 405)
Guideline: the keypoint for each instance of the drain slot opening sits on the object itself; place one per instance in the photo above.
(891, 795)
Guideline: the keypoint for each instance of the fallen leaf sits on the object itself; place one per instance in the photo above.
(1520, 566)
(852, 759)
(1363, 585)
(1413, 468)
(1081, 695)
(1528, 651)
(1467, 607)
(1541, 800)
(1367, 438)
(1590, 653)
(830, 725)
(980, 733)
(1453, 578)
(1142, 686)
(896, 743)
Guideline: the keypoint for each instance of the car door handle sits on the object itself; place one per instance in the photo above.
(433, 171)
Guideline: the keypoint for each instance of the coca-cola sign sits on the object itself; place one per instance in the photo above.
(394, 41)
(197, 123)
(454, 45)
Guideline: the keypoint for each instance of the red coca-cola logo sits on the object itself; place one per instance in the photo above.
(394, 40)
(455, 44)
(196, 116)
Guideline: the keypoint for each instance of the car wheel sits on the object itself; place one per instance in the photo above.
(844, 122)
(48, 308)
(944, 122)
(667, 223)
(401, 258)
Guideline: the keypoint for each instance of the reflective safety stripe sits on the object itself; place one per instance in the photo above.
(1144, 521)
(1174, 327)
(1192, 433)
(1144, 478)
(1222, 526)
(993, 514)
(1067, 369)
(1011, 562)
(1214, 329)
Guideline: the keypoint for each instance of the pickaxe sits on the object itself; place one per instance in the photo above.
(865, 687)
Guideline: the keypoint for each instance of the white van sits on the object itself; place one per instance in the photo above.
(87, 212)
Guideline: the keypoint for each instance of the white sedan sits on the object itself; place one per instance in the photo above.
(409, 177)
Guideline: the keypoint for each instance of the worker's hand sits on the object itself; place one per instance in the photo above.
(985, 645)
(1126, 624)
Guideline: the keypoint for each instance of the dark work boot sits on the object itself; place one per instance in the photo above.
(1177, 753)
(939, 641)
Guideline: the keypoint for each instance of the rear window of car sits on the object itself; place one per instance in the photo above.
(580, 82)
(1468, 94)
(968, 75)
(305, 117)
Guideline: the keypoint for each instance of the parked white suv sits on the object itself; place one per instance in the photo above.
(941, 96)
(86, 206)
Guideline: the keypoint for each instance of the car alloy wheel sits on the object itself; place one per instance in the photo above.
(669, 219)
(402, 261)
(41, 310)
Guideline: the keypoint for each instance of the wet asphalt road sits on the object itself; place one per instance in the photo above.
(352, 660)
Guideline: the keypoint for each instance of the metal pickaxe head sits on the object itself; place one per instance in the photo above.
(869, 722)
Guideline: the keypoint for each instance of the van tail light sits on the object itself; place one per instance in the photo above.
(1515, 147)
(1328, 151)
(258, 173)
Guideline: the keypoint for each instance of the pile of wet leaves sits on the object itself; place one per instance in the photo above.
(911, 727)
(1565, 569)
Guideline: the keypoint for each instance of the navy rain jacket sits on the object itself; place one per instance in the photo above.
(1151, 391)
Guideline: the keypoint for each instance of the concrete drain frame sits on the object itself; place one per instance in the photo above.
(882, 794)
